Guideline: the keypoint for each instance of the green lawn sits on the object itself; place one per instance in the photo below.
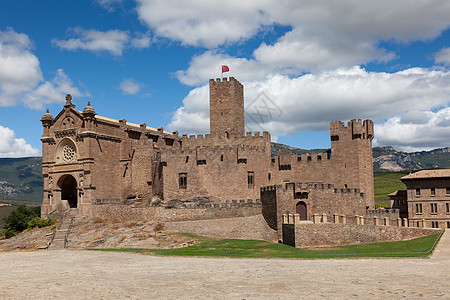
(420, 247)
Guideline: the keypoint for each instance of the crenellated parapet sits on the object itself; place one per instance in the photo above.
(225, 82)
(302, 186)
(355, 129)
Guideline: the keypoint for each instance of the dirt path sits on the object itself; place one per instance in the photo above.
(71, 274)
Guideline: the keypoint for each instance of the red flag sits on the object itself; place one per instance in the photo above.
(225, 69)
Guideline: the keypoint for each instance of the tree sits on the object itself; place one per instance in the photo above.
(18, 219)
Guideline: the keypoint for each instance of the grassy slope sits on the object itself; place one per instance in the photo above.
(386, 183)
(420, 247)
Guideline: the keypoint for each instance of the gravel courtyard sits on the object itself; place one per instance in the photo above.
(76, 274)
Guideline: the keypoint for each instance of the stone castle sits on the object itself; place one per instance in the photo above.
(89, 159)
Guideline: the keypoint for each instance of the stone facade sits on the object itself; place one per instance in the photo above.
(89, 159)
(308, 199)
(428, 198)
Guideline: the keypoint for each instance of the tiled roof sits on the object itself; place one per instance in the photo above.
(439, 173)
(398, 193)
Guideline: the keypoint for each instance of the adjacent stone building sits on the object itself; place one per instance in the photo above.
(428, 198)
(89, 159)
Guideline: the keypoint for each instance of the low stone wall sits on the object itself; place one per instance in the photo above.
(252, 227)
(331, 234)
(119, 213)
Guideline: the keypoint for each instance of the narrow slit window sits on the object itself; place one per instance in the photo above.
(251, 179)
(183, 180)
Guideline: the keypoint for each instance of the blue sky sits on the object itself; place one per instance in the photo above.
(150, 61)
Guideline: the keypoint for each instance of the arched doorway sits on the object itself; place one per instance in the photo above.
(300, 208)
(68, 186)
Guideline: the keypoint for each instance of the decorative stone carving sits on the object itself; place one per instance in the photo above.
(68, 153)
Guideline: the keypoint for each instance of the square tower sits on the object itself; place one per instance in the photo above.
(226, 108)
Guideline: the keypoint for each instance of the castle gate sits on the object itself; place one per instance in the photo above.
(300, 209)
(68, 186)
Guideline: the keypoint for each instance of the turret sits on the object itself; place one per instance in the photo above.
(47, 121)
(89, 115)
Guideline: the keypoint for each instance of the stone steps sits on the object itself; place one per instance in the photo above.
(60, 235)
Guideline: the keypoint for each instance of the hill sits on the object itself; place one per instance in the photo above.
(388, 159)
(21, 179)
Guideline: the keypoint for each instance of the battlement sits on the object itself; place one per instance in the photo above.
(241, 149)
(271, 188)
(355, 129)
(208, 137)
(208, 140)
(230, 80)
(309, 185)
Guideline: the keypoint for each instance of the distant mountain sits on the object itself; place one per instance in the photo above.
(278, 148)
(387, 159)
(21, 179)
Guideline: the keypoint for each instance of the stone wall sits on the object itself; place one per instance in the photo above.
(319, 198)
(218, 171)
(247, 227)
(118, 213)
(329, 234)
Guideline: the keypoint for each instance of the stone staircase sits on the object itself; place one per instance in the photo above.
(61, 235)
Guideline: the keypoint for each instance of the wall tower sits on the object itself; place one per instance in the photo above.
(352, 155)
(226, 108)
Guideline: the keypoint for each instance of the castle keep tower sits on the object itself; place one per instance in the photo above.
(226, 107)
(351, 148)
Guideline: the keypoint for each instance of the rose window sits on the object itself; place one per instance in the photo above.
(68, 153)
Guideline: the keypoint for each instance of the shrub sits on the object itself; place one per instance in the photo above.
(40, 223)
(18, 219)
(10, 234)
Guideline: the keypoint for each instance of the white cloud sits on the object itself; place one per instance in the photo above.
(21, 79)
(193, 116)
(203, 23)
(310, 101)
(298, 51)
(140, 41)
(53, 91)
(324, 34)
(109, 5)
(10, 146)
(112, 41)
(443, 56)
(20, 70)
(130, 86)
(208, 65)
(432, 134)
